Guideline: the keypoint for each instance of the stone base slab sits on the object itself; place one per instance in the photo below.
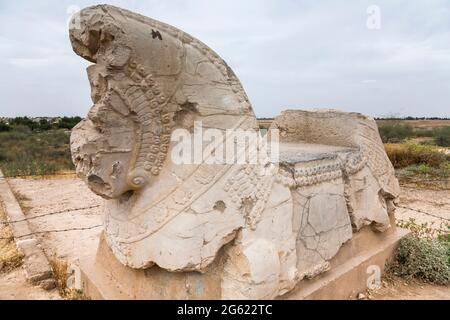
(103, 277)
(37, 267)
(345, 280)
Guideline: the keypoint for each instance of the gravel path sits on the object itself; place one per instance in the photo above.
(14, 286)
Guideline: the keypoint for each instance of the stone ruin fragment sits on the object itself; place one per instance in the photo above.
(241, 231)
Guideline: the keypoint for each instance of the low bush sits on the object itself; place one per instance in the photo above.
(394, 133)
(443, 171)
(442, 136)
(397, 132)
(424, 254)
(404, 155)
(422, 258)
(26, 152)
(4, 127)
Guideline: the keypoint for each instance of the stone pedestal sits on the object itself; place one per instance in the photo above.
(351, 268)
(103, 277)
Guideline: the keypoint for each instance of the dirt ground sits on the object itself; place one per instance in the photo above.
(74, 207)
(14, 286)
(399, 289)
(63, 195)
(424, 206)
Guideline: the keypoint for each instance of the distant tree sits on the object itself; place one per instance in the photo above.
(42, 124)
(24, 121)
(4, 127)
(68, 122)
(45, 125)
(395, 117)
(442, 136)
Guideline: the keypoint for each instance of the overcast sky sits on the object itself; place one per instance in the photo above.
(288, 54)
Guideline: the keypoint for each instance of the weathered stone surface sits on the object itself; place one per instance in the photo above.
(345, 132)
(322, 225)
(270, 224)
(366, 202)
(36, 266)
(48, 284)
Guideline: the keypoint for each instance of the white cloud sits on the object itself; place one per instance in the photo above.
(288, 53)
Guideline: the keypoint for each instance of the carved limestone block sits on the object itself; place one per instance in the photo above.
(273, 223)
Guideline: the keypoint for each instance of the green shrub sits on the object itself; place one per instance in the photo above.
(393, 133)
(443, 171)
(404, 155)
(423, 169)
(423, 230)
(26, 152)
(424, 133)
(4, 127)
(442, 136)
(422, 258)
(445, 238)
(68, 122)
(396, 132)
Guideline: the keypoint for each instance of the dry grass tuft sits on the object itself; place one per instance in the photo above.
(10, 256)
(61, 275)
